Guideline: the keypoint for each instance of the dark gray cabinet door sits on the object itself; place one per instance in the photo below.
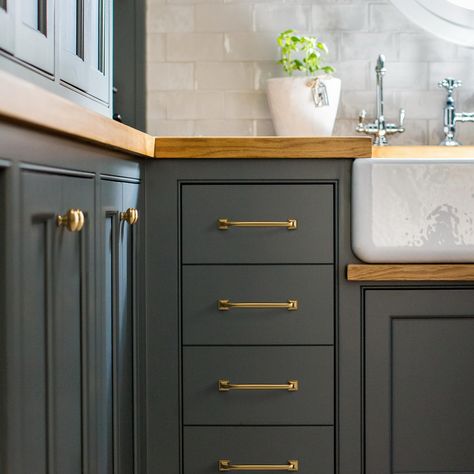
(55, 384)
(419, 385)
(118, 325)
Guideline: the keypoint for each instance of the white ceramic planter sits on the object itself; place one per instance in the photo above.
(294, 111)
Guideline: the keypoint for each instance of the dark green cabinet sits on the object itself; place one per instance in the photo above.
(419, 380)
(118, 317)
(68, 306)
(54, 386)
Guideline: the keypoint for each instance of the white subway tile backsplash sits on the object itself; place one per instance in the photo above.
(224, 127)
(340, 17)
(277, 18)
(195, 46)
(155, 47)
(163, 18)
(368, 46)
(251, 47)
(246, 105)
(425, 47)
(223, 18)
(386, 18)
(208, 62)
(170, 76)
(195, 105)
(224, 76)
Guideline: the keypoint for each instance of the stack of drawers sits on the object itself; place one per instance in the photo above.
(258, 382)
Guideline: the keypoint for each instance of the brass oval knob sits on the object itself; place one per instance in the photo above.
(130, 216)
(73, 220)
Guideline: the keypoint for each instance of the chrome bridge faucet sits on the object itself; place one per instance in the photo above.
(450, 116)
(379, 128)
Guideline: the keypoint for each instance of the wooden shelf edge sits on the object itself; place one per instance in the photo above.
(410, 272)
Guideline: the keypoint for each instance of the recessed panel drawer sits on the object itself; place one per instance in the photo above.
(261, 223)
(309, 321)
(310, 446)
(304, 376)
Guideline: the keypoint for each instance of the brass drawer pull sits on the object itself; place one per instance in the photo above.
(130, 216)
(73, 220)
(225, 223)
(226, 465)
(226, 386)
(225, 305)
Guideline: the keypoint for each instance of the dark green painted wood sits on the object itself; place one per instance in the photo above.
(57, 336)
(129, 62)
(419, 359)
(310, 205)
(311, 446)
(311, 366)
(311, 285)
(119, 257)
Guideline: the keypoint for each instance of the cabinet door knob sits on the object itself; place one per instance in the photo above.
(130, 216)
(73, 220)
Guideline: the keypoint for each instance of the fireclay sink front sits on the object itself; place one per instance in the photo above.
(413, 210)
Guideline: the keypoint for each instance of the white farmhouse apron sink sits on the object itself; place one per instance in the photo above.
(413, 210)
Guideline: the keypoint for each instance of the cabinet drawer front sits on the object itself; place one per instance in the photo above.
(311, 205)
(311, 446)
(310, 285)
(311, 367)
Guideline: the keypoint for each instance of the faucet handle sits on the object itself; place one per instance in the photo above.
(402, 117)
(362, 115)
(450, 84)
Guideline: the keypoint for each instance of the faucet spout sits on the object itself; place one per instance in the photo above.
(379, 129)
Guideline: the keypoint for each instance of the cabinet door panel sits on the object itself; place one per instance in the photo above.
(34, 39)
(118, 324)
(57, 344)
(419, 383)
(7, 25)
(85, 46)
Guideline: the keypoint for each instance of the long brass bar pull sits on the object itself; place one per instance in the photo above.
(225, 223)
(225, 305)
(226, 465)
(226, 386)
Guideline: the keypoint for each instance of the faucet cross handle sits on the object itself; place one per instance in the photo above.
(450, 84)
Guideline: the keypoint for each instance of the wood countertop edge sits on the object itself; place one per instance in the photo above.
(262, 147)
(422, 152)
(29, 105)
(411, 272)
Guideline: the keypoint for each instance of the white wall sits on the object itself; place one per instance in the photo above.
(208, 60)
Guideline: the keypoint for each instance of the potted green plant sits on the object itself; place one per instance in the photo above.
(305, 102)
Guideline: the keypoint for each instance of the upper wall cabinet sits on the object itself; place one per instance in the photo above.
(85, 43)
(65, 44)
(34, 33)
(6, 25)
